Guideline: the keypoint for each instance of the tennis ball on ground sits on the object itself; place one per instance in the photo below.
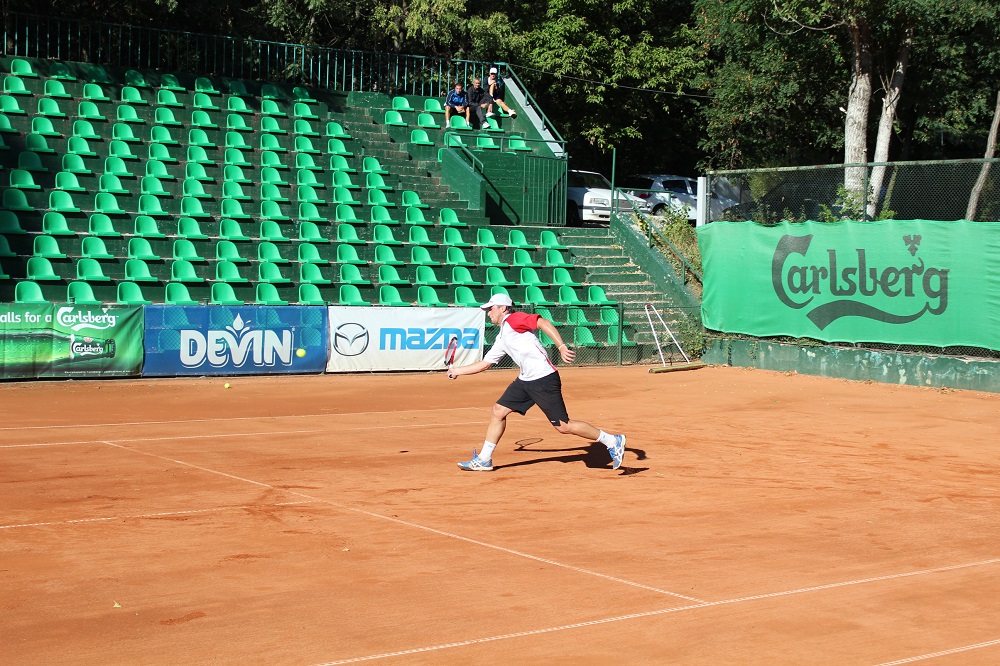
(300, 352)
(227, 385)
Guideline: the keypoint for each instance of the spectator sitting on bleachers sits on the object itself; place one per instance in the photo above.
(496, 89)
(479, 102)
(456, 102)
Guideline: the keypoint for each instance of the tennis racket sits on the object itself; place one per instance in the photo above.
(449, 354)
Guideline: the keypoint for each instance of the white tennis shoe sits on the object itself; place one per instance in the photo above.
(617, 451)
(477, 464)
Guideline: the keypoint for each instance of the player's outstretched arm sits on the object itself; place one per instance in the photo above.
(549, 329)
(471, 369)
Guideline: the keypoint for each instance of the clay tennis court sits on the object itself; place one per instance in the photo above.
(758, 518)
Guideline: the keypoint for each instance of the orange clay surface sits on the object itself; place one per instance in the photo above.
(759, 518)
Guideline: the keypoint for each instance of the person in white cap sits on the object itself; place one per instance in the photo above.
(538, 383)
(496, 88)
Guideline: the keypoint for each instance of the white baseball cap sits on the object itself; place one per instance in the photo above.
(497, 299)
(493, 70)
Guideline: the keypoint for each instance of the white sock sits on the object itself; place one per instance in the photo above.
(606, 439)
(487, 451)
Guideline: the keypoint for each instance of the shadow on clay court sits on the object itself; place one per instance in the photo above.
(594, 455)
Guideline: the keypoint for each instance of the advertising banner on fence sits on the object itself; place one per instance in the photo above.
(904, 282)
(69, 341)
(243, 340)
(374, 339)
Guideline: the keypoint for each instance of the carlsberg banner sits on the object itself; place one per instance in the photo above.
(907, 282)
(69, 341)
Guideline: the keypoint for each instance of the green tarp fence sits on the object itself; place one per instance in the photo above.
(913, 282)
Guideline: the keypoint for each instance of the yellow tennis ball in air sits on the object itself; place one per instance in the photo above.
(227, 385)
(300, 352)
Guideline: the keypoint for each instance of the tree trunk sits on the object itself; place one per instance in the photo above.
(856, 124)
(893, 91)
(991, 144)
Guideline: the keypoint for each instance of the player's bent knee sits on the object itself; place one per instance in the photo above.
(500, 412)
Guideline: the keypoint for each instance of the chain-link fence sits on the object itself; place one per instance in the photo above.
(933, 190)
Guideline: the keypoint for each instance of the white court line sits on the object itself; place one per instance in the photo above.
(241, 434)
(942, 653)
(237, 418)
(665, 611)
(407, 523)
(153, 515)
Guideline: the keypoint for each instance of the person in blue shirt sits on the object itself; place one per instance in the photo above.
(457, 102)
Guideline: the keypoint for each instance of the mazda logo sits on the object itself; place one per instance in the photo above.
(350, 339)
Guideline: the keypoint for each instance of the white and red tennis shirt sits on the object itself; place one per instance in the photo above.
(518, 340)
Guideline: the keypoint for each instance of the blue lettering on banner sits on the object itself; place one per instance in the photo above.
(426, 338)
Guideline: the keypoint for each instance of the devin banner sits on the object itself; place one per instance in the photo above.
(904, 282)
(62, 340)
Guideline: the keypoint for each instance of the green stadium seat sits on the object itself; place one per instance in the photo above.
(31, 161)
(81, 293)
(517, 239)
(416, 216)
(84, 129)
(29, 292)
(191, 188)
(389, 295)
(465, 298)
(302, 110)
(337, 147)
(232, 190)
(270, 210)
(270, 142)
(307, 194)
(269, 107)
(204, 85)
(342, 179)
(232, 208)
(5, 250)
(139, 248)
(418, 137)
(162, 116)
(106, 203)
(190, 228)
(309, 254)
(312, 274)
(426, 276)
(226, 250)
(268, 272)
(374, 181)
(454, 256)
(550, 241)
(62, 202)
(309, 294)
(349, 295)
(596, 296)
(454, 141)
(89, 270)
(459, 123)
(535, 296)
(401, 104)
(121, 150)
(584, 337)
(127, 114)
(161, 153)
(39, 269)
(93, 247)
(271, 159)
(309, 232)
(129, 293)
(37, 143)
(198, 137)
(489, 257)
(453, 237)
(238, 105)
(562, 277)
(335, 130)
(160, 134)
(236, 123)
(146, 227)
(303, 128)
(135, 79)
(270, 125)
(495, 277)
(227, 271)
(555, 258)
(380, 215)
(191, 207)
(486, 142)
(309, 213)
(348, 234)
(271, 231)
(568, 296)
(234, 174)
(59, 70)
(14, 85)
(267, 294)
(350, 274)
(234, 157)
(111, 184)
(47, 247)
(427, 297)
(272, 176)
(176, 293)
(10, 225)
(203, 102)
(137, 270)
(344, 213)
(7, 128)
(96, 74)
(388, 274)
(577, 317)
(530, 278)
(412, 200)
(394, 118)
(167, 98)
(492, 126)
(99, 224)
(433, 106)
(523, 258)
(9, 106)
(131, 95)
(516, 144)
(23, 180)
(426, 121)
(117, 167)
(201, 119)
(420, 256)
(348, 254)
(43, 126)
(169, 81)
(268, 251)
(222, 293)
(385, 255)
(74, 164)
(22, 68)
(339, 163)
(372, 165)
(463, 276)
(485, 238)
(418, 236)
(182, 270)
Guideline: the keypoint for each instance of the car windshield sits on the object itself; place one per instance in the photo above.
(587, 179)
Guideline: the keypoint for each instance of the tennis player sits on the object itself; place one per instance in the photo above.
(537, 384)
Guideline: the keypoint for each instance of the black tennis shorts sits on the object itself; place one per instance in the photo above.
(545, 392)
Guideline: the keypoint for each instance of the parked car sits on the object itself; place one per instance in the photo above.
(677, 193)
(589, 199)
